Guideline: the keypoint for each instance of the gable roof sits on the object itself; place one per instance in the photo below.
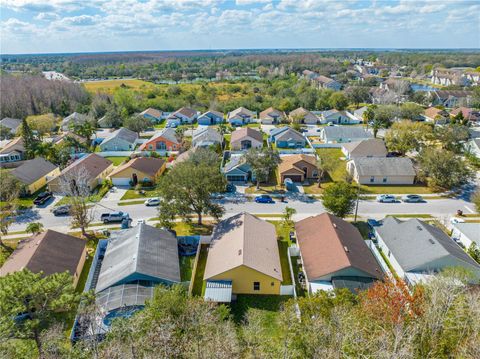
(324, 79)
(470, 230)
(365, 148)
(77, 118)
(152, 112)
(14, 145)
(271, 112)
(277, 130)
(213, 112)
(93, 163)
(291, 161)
(346, 132)
(235, 161)
(11, 123)
(48, 252)
(185, 111)
(243, 132)
(384, 166)
(290, 134)
(301, 112)
(415, 243)
(432, 112)
(166, 133)
(359, 111)
(241, 111)
(122, 133)
(329, 244)
(147, 165)
(245, 240)
(143, 249)
(209, 134)
(30, 171)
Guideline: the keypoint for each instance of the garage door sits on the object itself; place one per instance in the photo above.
(121, 181)
(294, 178)
(236, 178)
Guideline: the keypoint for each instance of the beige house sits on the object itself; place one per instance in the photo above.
(138, 170)
(378, 171)
(49, 252)
(306, 117)
(245, 138)
(367, 148)
(96, 166)
(298, 168)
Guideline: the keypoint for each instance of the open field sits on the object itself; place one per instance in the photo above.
(110, 85)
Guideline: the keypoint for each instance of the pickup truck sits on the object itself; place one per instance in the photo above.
(114, 217)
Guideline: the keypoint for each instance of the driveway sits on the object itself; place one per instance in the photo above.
(115, 196)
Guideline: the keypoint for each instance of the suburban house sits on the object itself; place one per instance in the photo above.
(394, 84)
(304, 116)
(139, 170)
(135, 260)
(327, 83)
(49, 252)
(448, 77)
(183, 156)
(14, 151)
(468, 113)
(76, 143)
(12, 124)
(245, 138)
(72, 120)
(240, 116)
(96, 168)
(206, 137)
(238, 170)
(298, 168)
(164, 140)
(210, 118)
(373, 147)
(152, 114)
(473, 146)
(449, 98)
(436, 115)
(466, 234)
(342, 134)
(182, 116)
(335, 116)
(122, 139)
(271, 116)
(334, 254)
(287, 137)
(358, 114)
(417, 250)
(378, 170)
(35, 173)
(243, 258)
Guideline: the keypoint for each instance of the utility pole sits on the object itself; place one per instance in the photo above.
(356, 205)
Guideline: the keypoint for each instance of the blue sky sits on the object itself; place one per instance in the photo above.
(39, 26)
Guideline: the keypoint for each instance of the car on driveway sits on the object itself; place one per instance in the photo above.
(42, 198)
(155, 201)
(264, 198)
(61, 210)
(386, 198)
(412, 198)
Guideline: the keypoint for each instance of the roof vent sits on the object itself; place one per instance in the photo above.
(239, 252)
(334, 225)
(346, 248)
(419, 228)
(431, 241)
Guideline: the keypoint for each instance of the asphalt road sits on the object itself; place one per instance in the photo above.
(440, 208)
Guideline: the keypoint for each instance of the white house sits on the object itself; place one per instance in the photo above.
(382, 170)
(466, 233)
(342, 134)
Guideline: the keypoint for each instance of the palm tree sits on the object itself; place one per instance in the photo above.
(35, 228)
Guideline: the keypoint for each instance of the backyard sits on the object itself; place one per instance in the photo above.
(186, 267)
(117, 161)
(198, 284)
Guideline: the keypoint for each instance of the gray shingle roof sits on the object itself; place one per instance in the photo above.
(122, 133)
(470, 230)
(167, 133)
(415, 244)
(346, 132)
(144, 250)
(32, 170)
(206, 135)
(365, 148)
(290, 134)
(384, 166)
(11, 123)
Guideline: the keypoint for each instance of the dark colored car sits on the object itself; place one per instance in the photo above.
(264, 198)
(231, 188)
(61, 210)
(42, 198)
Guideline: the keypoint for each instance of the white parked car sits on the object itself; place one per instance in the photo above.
(155, 201)
(386, 198)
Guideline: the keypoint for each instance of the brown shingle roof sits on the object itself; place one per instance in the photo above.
(240, 133)
(271, 111)
(147, 165)
(246, 240)
(152, 112)
(93, 163)
(290, 161)
(432, 112)
(48, 252)
(329, 244)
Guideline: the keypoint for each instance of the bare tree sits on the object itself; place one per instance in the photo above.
(75, 185)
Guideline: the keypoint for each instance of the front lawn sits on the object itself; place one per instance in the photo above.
(396, 189)
(199, 284)
(340, 170)
(117, 161)
(192, 229)
(133, 194)
(271, 187)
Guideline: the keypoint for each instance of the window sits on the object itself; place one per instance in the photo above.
(256, 285)
(384, 180)
(372, 179)
(150, 147)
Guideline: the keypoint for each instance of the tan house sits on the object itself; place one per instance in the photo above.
(96, 166)
(14, 151)
(306, 117)
(436, 115)
(386, 170)
(271, 116)
(49, 252)
(298, 168)
(245, 138)
(35, 173)
(373, 147)
(138, 170)
(243, 258)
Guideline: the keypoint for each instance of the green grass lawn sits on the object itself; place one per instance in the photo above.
(296, 268)
(186, 267)
(5, 253)
(283, 251)
(130, 203)
(191, 229)
(198, 284)
(410, 215)
(363, 228)
(268, 305)
(271, 187)
(391, 189)
(133, 194)
(117, 161)
(340, 171)
(84, 275)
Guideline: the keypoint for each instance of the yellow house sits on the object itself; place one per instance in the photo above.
(243, 258)
(35, 173)
(141, 169)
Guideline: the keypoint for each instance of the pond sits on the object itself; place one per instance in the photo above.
(421, 87)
